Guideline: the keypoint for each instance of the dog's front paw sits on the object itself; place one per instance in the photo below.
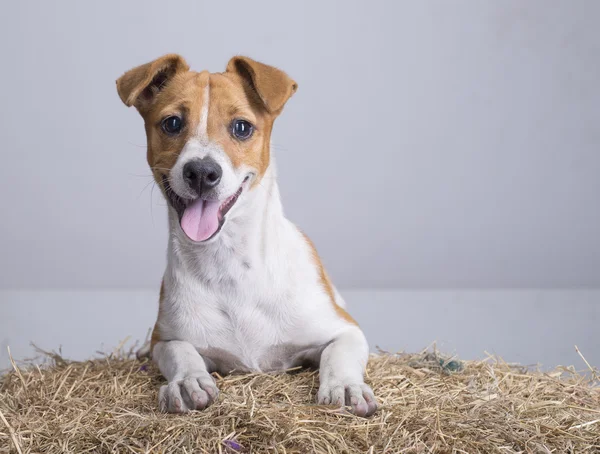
(191, 393)
(358, 396)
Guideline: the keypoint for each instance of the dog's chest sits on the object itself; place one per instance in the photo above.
(242, 329)
(244, 310)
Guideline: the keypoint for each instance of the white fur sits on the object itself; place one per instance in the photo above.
(203, 124)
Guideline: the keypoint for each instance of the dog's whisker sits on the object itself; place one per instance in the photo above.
(151, 202)
(160, 168)
(148, 175)
(144, 188)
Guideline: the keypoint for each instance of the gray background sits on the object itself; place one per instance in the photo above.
(432, 145)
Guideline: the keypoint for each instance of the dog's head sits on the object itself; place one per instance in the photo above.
(208, 134)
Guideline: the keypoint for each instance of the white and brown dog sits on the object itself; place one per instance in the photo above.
(244, 289)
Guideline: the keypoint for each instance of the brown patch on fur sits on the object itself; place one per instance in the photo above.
(138, 86)
(270, 84)
(326, 282)
(247, 90)
(155, 331)
(182, 96)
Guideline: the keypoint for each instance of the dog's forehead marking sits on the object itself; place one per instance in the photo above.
(202, 130)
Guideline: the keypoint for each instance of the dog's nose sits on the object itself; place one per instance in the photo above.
(202, 174)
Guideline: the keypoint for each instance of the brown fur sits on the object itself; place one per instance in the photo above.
(156, 337)
(326, 282)
(132, 84)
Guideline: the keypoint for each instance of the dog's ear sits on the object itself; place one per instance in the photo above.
(138, 86)
(273, 86)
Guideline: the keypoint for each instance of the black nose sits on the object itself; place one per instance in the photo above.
(202, 174)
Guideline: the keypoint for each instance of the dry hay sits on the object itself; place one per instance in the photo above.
(428, 405)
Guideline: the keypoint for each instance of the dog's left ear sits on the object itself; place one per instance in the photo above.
(273, 86)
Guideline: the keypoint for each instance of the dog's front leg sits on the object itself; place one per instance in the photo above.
(341, 373)
(190, 386)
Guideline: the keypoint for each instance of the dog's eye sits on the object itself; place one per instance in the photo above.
(172, 125)
(241, 129)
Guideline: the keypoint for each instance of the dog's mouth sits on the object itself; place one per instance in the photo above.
(200, 219)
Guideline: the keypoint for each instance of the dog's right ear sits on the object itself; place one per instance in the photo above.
(138, 86)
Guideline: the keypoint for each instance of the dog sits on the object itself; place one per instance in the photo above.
(244, 289)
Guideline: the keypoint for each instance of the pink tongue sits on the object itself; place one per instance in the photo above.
(200, 219)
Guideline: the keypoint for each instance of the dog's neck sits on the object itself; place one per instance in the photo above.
(246, 240)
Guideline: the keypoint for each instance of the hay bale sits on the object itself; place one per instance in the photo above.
(428, 405)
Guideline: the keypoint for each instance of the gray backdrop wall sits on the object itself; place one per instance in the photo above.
(433, 145)
(430, 144)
